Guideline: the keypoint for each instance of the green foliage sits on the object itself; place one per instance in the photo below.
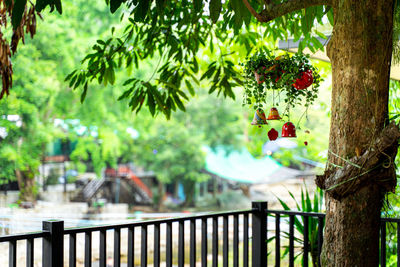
(19, 7)
(307, 204)
(40, 97)
(174, 153)
(173, 34)
(265, 72)
(173, 148)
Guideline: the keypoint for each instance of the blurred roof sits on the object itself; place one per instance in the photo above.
(272, 146)
(291, 46)
(242, 167)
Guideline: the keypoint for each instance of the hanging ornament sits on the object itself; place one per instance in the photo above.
(288, 130)
(304, 81)
(273, 134)
(259, 117)
(274, 114)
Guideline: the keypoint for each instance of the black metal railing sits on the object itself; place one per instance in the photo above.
(200, 234)
(306, 217)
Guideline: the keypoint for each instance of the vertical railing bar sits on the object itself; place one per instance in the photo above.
(291, 240)
(266, 235)
(88, 249)
(246, 240)
(169, 245)
(72, 250)
(29, 252)
(277, 240)
(143, 247)
(156, 256)
(398, 244)
(306, 246)
(320, 237)
(193, 243)
(259, 228)
(236, 240)
(53, 243)
(131, 246)
(204, 251)
(215, 242)
(225, 242)
(117, 247)
(12, 253)
(103, 248)
(383, 244)
(181, 244)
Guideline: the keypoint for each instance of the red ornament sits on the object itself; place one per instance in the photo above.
(305, 143)
(273, 134)
(304, 81)
(288, 130)
(274, 114)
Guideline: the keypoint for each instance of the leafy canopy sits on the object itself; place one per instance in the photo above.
(174, 33)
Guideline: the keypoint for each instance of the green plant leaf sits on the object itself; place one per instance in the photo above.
(17, 12)
(58, 5)
(215, 7)
(141, 10)
(84, 92)
(115, 4)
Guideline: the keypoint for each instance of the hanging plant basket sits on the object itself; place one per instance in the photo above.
(292, 76)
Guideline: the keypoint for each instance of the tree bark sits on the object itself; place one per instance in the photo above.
(360, 52)
(26, 184)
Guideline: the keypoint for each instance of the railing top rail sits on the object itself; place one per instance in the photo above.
(24, 236)
(384, 219)
(151, 222)
(301, 213)
(16, 237)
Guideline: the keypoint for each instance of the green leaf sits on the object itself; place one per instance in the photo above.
(215, 7)
(320, 34)
(141, 10)
(126, 93)
(178, 102)
(198, 4)
(241, 13)
(208, 73)
(317, 44)
(17, 12)
(330, 16)
(190, 88)
(58, 6)
(83, 95)
(115, 4)
(69, 76)
(40, 4)
(150, 103)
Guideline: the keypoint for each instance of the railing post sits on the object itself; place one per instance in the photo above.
(53, 245)
(259, 234)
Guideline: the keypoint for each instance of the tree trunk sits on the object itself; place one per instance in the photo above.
(189, 189)
(26, 184)
(360, 53)
(161, 193)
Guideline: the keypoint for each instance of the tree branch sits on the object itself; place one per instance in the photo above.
(252, 11)
(273, 11)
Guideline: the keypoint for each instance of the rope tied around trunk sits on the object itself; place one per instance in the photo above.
(375, 165)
